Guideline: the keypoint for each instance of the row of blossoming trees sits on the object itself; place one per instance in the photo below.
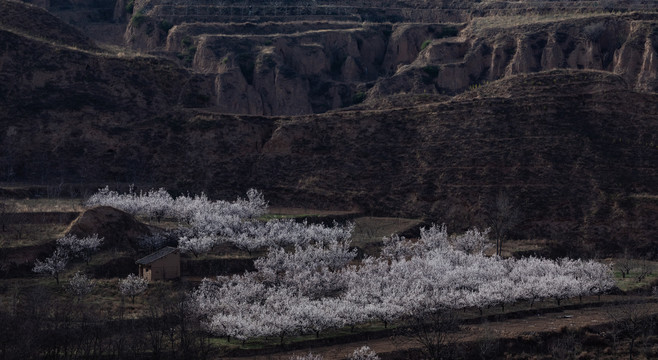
(309, 281)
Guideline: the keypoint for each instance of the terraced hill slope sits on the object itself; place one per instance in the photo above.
(562, 122)
(301, 57)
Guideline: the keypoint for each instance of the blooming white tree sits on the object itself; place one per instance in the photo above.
(309, 356)
(472, 241)
(132, 286)
(80, 285)
(52, 265)
(308, 282)
(310, 288)
(159, 204)
(364, 353)
(80, 247)
(196, 245)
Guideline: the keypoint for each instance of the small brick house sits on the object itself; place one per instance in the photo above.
(163, 264)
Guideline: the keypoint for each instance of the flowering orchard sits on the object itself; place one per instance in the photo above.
(308, 281)
(316, 287)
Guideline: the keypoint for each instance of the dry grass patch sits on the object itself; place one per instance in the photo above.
(21, 235)
(303, 212)
(508, 21)
(44, 205)
(524, 246)
(643, 273)
(370, 230)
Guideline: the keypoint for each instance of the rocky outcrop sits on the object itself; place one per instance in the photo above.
(326, 68)
(298, 59)
(622, 45)
(298, 73)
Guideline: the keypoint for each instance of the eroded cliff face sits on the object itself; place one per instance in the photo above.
(621, 45)
(312, 67)
(297, 73)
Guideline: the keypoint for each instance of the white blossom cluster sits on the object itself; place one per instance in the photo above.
(132, 286)
(314, 287)
(80, 285)
(250, 235)
(80, 247)
(308, 281)
(160, 204)
(364, 353)
(206, 224)
(67, 247)
(52, 265)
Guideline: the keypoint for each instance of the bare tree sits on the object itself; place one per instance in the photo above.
(625, 265)
(644, 269)
(434, 331)
(502, 218)
(632, 320)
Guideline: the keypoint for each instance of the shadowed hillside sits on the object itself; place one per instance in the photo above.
(575, 149)
(300, 57)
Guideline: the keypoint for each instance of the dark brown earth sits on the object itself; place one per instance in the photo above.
(118, 229)
(575, 149)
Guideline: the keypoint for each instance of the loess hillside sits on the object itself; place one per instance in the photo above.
(404, 110)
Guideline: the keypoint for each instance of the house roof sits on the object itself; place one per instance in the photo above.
(156, 255)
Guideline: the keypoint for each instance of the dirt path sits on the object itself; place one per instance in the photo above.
(508, 329)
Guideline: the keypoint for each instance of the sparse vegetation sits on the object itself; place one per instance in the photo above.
(130, 5)
(165, 26)
(138, 19)
(358, 97)
(448, 31)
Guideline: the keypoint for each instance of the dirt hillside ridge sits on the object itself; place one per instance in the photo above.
(35, 21)
(117, 228)
(566, 150)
